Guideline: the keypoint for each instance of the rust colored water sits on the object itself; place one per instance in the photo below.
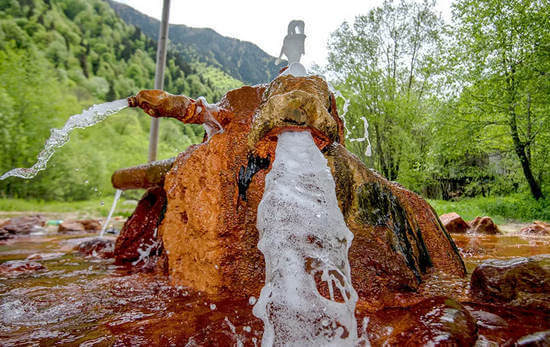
(78, 300)
(85, 300)
(477, 248)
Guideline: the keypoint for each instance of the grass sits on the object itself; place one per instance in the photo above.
(95, 208)
(517, 207)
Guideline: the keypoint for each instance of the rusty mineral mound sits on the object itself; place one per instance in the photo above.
(211, 192)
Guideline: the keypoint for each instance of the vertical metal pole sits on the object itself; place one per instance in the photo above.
(159, 76)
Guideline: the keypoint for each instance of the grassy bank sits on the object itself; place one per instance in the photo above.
(516, 207)
(95, 208)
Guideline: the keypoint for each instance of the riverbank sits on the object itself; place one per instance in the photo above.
(66, 209)
(507, 209)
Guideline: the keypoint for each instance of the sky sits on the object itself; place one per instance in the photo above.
(265, 23)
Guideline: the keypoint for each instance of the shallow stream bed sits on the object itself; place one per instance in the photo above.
(79, 300)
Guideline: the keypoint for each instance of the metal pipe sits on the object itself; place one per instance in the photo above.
(159, 76)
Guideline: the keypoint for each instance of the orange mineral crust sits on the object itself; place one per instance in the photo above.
(213, 190)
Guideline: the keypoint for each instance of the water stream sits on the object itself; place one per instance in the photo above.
(106, 223)
(303, 237)
(60, 137)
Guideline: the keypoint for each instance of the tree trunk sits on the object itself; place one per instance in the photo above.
(519, 147)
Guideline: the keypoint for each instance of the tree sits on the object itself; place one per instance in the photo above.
(503, 61)
(385, 63)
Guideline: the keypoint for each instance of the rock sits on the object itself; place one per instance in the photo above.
(90, 224)
(453, 223)
(484, 225)
(16, 268)
(4, 234)
(488, 320)
(70, 225)
(521, 282)
(213, 190)
(79, 225)
(541, 338)
(45, 256)
(139, 235)
(23, 225)
(98, 247)
(436, 321)
(397, 235)
(501, 325)
(536, 228)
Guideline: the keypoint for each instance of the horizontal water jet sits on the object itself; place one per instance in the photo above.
(59, 137)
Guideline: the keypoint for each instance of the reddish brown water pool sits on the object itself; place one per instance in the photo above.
(78, 300)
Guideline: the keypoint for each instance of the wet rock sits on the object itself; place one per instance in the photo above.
(23, 225)
(435, 321)
(79, 225)
(4, 234)
(501, 325)
(69, 225)
(90, 224)
(521, 282)
(98, 247)
(16, 268)
(139, 235)
(293, 101)
(541, 338)
(45, 256)
(398, 237)
(483, 225)
(453, 223)
(536, 228)
(209, 229)
(488, 320)
(208, 233)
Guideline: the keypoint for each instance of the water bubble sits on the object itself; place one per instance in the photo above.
(252, 300)
(212, 307)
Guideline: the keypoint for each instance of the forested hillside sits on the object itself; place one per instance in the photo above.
(243, 60)
(58, 57)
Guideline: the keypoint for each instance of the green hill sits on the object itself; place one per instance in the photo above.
(57, 57)
(243, 60)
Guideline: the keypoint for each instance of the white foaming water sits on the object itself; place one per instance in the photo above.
(59, 137)
(303, 235)
(115, 200)
(365, 137)
(338, 94)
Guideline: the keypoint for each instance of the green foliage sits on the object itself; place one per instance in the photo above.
(59, 57)
(385, 66)
(454, 110)
(502, 63)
